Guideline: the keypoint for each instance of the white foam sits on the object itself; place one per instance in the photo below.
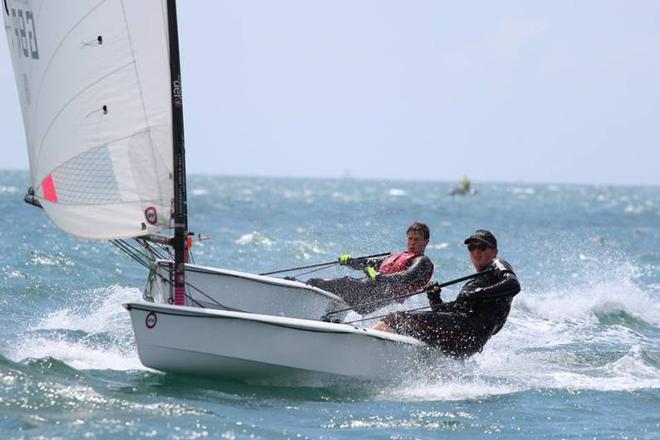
(106, 317)
(255, 238)
(307, 250)
(523, 190)
(558, 338)
(576, 338)
(38, 258)
(581, 304)
(198, 192)
(397, 192)
(81, 355)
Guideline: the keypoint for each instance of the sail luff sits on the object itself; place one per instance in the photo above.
(180, 202)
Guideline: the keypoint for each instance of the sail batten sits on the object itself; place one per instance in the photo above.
(94, 86)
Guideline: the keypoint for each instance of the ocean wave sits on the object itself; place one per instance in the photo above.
(91, 335)
(305, 249)
(587, 302)
(594, 336)
(49, 386)
(40, 258)
(255, 237)
(397, 192)
(199, 192)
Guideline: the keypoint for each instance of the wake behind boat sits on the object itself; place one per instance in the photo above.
(101, 97)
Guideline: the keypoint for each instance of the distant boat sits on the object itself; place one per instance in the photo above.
(463, 188)
(100, 91)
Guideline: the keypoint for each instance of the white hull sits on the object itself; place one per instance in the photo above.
(223, 289)
(218, 343)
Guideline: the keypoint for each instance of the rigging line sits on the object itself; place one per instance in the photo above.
(160, 250)
(218, 303)
(371, 303)
(127, 249)
(311, 271)
(189, 284)
(194, 300)
(293, 269)
(137, 251)
(157, 250)
(383, 316)
(128, 245)
(329, 263)
(145, 260)
(161, 253)
(490, 297)
(166, 280)
(130, 254)
(385, 300)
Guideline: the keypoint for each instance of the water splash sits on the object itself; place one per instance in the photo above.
(255, 237)
(92, 334)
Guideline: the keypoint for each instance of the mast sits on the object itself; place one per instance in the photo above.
(179, 164)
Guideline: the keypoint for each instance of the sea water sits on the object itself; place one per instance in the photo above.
(578, 358)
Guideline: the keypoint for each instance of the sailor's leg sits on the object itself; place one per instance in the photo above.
(452, 333)
(352, 290)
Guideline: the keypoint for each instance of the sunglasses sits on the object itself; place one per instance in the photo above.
(481, 246)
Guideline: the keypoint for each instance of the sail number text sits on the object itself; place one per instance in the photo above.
(26, 32)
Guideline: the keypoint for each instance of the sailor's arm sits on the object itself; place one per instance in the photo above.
(363, 263)
(507, 284)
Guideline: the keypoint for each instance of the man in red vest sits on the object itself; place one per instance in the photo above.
(388, 278)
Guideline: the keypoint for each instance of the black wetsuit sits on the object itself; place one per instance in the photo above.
(357, 292)
(462, 327)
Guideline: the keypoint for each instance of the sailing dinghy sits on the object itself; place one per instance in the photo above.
(100, 90)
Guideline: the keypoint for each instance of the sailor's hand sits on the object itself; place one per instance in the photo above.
(433, 293)
(433, 288)
(344, 259)
(371, 273)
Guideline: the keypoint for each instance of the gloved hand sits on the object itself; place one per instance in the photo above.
(433, 293)
(344, 259)
(371, 273)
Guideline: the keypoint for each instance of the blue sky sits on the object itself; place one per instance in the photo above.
(543, 91)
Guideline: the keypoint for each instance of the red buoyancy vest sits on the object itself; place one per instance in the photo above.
(398, 263)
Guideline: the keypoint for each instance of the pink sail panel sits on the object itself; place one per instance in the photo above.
(48, 186)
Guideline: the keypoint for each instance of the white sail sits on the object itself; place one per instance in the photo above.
(94, 86)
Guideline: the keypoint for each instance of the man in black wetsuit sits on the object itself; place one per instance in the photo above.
(387, 278)
(461, 328)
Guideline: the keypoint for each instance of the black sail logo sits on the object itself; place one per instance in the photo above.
(177, 94)
(25, 32)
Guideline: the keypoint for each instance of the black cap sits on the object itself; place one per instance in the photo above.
(483, 236)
